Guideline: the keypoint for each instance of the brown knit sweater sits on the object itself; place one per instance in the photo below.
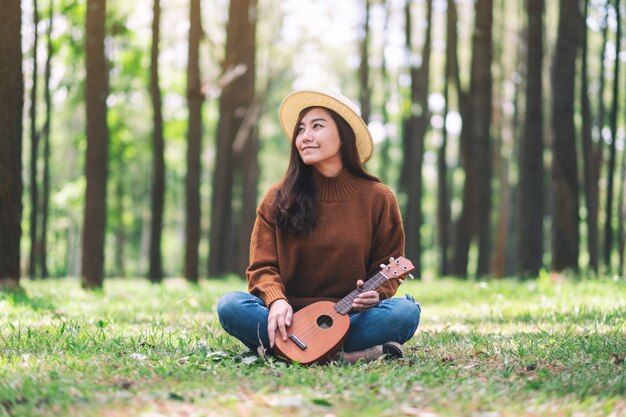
(359, 228)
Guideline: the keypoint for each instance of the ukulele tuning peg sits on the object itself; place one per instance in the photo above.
(411, 276)
(401, 281)
(391, 259)
(383, 266)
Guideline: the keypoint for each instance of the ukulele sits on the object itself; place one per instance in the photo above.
(318, 330)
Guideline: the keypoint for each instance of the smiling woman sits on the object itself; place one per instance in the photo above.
(319, 232)
(318, 143)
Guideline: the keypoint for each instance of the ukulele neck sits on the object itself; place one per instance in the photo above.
(344, 305)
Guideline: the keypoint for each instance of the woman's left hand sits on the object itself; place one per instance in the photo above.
(365, 300)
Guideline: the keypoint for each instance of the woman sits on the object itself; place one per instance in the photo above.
(326, 226)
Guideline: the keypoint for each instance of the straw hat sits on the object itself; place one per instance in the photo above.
(299, 100)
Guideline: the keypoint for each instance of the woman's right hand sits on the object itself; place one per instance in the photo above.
(279, 319)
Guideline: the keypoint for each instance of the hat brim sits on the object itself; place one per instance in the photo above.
(299, 100)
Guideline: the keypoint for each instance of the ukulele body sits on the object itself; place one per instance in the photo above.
(316, 333)
(318, 330)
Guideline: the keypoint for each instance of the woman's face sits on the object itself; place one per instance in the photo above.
(318, 142)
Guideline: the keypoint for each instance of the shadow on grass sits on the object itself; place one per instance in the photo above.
(19, 297)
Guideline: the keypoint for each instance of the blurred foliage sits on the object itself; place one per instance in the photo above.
(297, 46)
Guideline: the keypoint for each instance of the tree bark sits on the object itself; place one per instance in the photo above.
(481, 86)
(474, 223)
(600, 120)
(608, 226)
(512, 227)
(158, 168)
(443, 192)
(194, 144)
(96, 92)
(43, 245)
(385, 160)
(590, 153)
(119, 255)
(246, 151)
(11, 112)
(621, 210)
(507, 126)
(365, 91)
(463, 225)
(415, 132)
(236, 98)
(565, 218)
(34, 152)
(531, 175)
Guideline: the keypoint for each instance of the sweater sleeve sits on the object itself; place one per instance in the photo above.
(388, 241)
(263, 273)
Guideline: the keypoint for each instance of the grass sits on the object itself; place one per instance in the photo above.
(484, 349)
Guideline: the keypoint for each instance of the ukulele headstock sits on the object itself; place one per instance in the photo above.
(397, 268)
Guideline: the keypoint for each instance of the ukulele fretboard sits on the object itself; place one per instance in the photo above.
(345, 304)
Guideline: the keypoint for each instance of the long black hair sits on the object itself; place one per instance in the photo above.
(296, 199)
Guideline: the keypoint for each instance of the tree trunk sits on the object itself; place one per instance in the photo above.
(600, 120)
(119, 255)
(621, 210)
(194, 145)
(73, 248)
(608, 226)
(246, 151)
(506, 124)
(385, 160)
(236, 98)
(96, 92)
(590, 154)
(158, 175)
(221, 200)
(364, 67)
(34, 152)
(43, 245)
(531, 168)
(512, 226)
(480, 98)
(565, 218)
(476, 147)
(462, 226)
(11, 111)
(415, 133)
(443, 193)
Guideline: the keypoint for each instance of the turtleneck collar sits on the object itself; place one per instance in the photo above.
(335, 188)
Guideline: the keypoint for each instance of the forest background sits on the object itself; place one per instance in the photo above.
(137, 138)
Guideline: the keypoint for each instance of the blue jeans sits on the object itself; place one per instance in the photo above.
(395, 319)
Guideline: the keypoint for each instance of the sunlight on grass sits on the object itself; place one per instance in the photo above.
(498, 348)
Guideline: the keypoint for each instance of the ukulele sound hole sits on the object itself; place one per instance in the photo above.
(324, 322)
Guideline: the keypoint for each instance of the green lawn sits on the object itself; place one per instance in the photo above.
(500, 348)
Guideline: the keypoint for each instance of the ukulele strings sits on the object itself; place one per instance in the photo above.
(369, 285)
(313, 327)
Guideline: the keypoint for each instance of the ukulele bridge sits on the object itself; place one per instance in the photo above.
(297, 341)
